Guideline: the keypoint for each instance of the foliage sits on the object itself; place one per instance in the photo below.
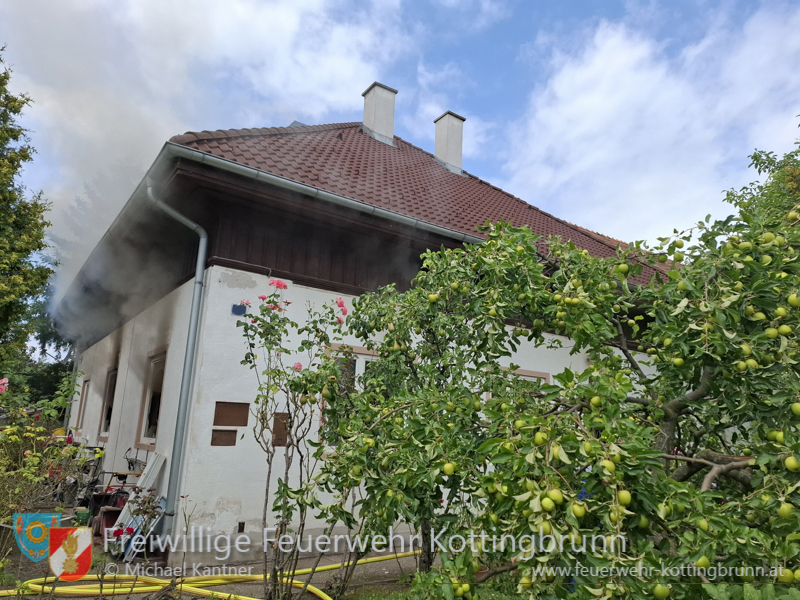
(675, 427)
(22, 229)
(37, 469)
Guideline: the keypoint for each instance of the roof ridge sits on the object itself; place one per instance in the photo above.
(217, 134)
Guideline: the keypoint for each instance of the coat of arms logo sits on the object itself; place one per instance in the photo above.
(70, 552)
(32, 531)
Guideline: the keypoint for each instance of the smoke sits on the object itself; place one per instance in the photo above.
(111, 82)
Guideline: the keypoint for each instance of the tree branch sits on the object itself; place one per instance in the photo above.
(623, 345)
(492, 572)
(721, 470)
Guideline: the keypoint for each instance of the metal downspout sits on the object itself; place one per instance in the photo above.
(176, 458)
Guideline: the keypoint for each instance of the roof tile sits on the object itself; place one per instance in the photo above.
(339, 158)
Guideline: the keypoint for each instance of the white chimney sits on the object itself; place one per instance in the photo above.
(379, 112)
(449, 134)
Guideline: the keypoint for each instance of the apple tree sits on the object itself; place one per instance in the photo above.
(680, 438)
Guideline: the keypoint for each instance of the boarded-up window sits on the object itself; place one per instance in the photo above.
(231, 414)
(223, 437)
(280, 429)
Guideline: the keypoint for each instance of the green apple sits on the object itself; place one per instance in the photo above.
(785, 330)
(678, 362)
(781, 312)
(556, 496)
(661, 591)
(609, 466)
(779, 437)
(796, 409)
(579, 510)
(785, 511)
(519, 423)
(540, 439)
(644, 522)
(794, 300)
(792, 464)
(741, 366)
(785, 575)
(703, 562)
(449, 468)
(746, 349)
(624, 497)
(548, 504)
(545, 528)
(751, 363)
(702, 524)
(596, 401)
(678, 256)
(771, 332)
(433, 298)
(623, 269)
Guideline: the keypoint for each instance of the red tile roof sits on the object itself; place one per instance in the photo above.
(343, 159)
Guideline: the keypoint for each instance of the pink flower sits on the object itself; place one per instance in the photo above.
(3, 385)
(252, 320)
(344, 311)
(273, 307)
(27, 453)
(244, 302)
(339, 302)
(298, 366)
(262, 297)
(281, 285)
(340, 320)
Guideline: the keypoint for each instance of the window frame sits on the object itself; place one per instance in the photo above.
(102, 436)
(153, 357)
(82, 402)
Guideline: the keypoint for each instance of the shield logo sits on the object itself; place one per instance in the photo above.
(32, 531)
(70, 552)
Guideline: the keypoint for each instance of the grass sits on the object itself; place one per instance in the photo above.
(371, 593)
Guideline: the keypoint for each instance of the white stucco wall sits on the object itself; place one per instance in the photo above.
(164, 324)
(221, 485)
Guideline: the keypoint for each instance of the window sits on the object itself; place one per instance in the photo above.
(151, 406)
(108, 404)
(82, 403)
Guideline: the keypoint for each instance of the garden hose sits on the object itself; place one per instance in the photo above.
(114, 585)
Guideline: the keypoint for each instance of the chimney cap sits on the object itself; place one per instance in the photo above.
(448, 112)
(374, 83)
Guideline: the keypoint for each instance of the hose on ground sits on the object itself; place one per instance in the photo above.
(115, 585)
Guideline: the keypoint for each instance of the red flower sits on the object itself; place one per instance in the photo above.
(252, 320)
(69, 439)
(117, 533)
(339, 302)
(273, 306)
(278, 284)
(344, 311)
(262, 297)
(129, 530)
(36, 416)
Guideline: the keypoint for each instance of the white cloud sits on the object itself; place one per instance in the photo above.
(113, 81)
(629, 139)
(438, 90)
(475, 15)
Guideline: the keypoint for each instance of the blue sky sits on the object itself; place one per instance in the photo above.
(629, 118)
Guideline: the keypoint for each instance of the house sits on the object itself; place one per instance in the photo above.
(334, 210)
